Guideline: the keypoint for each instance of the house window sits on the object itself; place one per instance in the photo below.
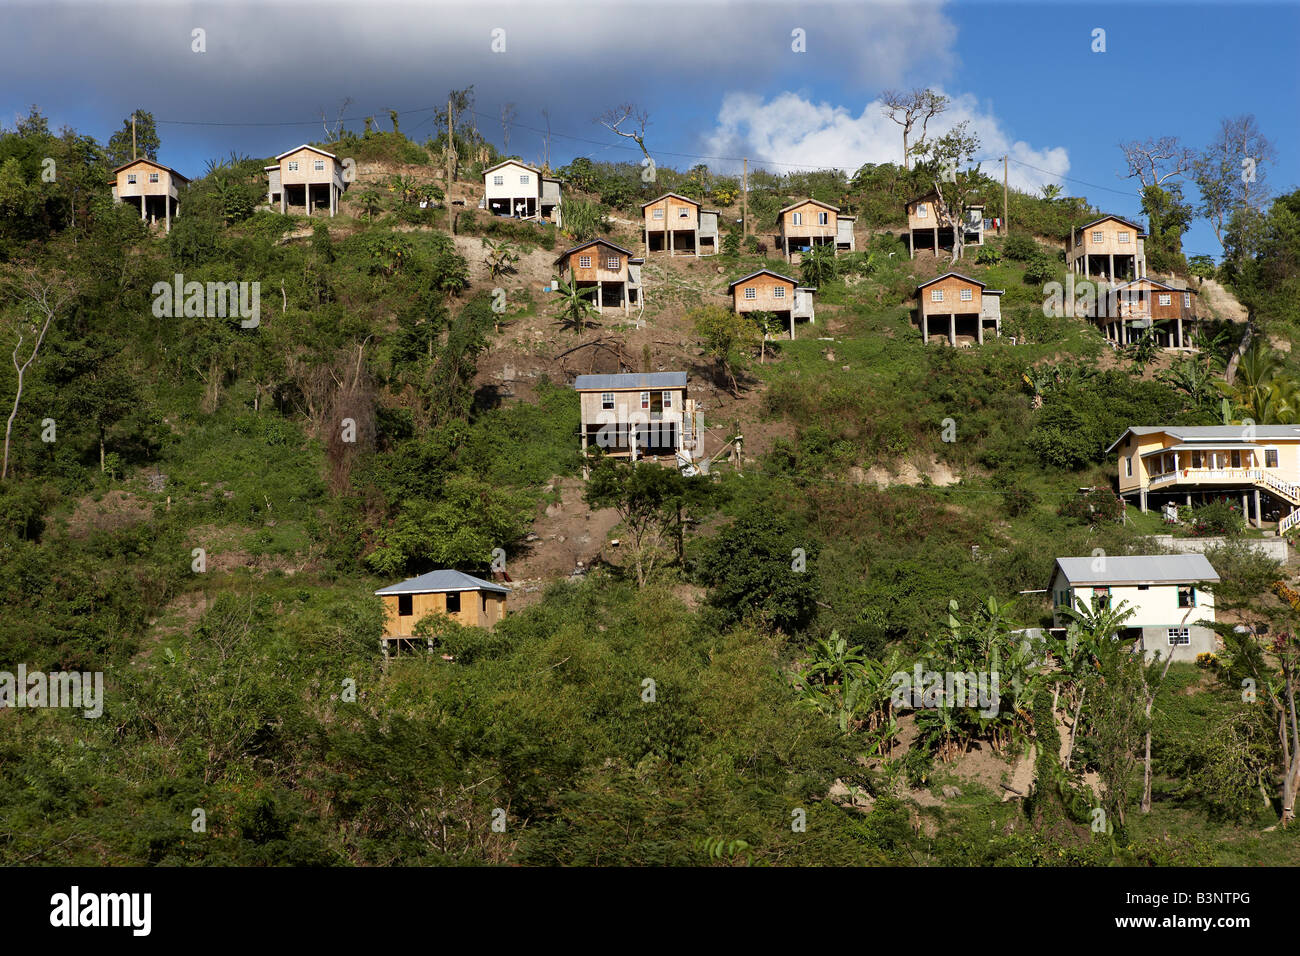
(1179, 636)
(922, 211)
(1098, 237)
(1124, 238)
(668, 399)
(1187, 300)
(606, 400)
(658, 214)
(683, 212)
(1101, 598)
(936, 295)
(612, 263)
(523, 180)
(498, 180)
(796, 219)
(823, 218)
(1128, 467)
(751, 292)
(1186, 595)
(778, 292)
(584, 262)
(1165, 298)
(453, 602)
(1196, 459)
(645, 400)
(1144, 587)
(1236, 459)
(293, 165)
(130, 179)
(966, 295)
(1270, 457)
(1063, 598)
(318, 165)
(404, 608)
(153, 177)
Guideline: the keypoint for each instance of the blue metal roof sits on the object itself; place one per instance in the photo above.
(443, 580)
(630, 380)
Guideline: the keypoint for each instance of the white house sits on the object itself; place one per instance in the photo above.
(513, 188)
(1166, 592)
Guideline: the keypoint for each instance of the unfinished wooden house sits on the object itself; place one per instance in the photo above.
(305, 176)
(512, 188)
(154, 187)
(611, 270)
(926, 232)
(1126, 311)
(462, 597)
(963, 308)
(810, 222)
(768, 291)
(1109, 248)
(674, 223)
(638, 416)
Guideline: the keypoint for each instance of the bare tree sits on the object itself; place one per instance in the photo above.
(1156, 161)
(948, 161)
(907, 108)
(42, 297)
(508, 114)
(334, 128)
(1231, 172)
(629, 121)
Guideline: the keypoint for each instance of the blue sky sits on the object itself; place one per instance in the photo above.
(719, 79)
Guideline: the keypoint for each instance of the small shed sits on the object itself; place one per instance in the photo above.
(462, 597)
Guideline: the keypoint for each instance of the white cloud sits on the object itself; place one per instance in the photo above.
(790, 131)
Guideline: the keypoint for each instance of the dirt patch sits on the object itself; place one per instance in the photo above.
(936, 472)
(115, 510)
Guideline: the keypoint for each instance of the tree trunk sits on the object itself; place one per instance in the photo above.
(1230, 372)
(1146, 762)
(1078, 709)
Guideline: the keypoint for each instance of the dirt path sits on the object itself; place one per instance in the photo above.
(1222, 303)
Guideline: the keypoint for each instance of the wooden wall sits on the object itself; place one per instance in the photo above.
(765, 299)
(471, 614)
(952, 302)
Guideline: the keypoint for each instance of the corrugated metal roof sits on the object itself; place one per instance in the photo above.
(630, 380)
(953, 275)
(591, 242)
(759, 273)
(444, 580)
(1137, 569)
(1211, 433)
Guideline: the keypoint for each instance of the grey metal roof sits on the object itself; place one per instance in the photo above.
(444, 580)
(591, 242)
(761, 272)
(1242, 434)
(1137, 569)
(633, 381)
(672, 195)
(955, 275)
(803, 202)
(1126, 222)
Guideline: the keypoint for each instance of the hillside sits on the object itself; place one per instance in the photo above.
(220, 503)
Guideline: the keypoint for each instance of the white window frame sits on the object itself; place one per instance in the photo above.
(751, 292)
(293, 165)
(823, 219)
(613, 263)
(1165, 298)
(645, 401)
(318, 165)
(606, 401)
(967, 295)
(153, 177)
(1128, 467)
(498, 180)
(683, 212)
(584, 262)
(922, 211)
(130, 179)
(1276, 457)
(1187, 300)
(667, 399)
(1125, 238)
(778, 292)
(796, 219)
(1179, 636)
(658, 213)
(1098, 237)
(936, 295)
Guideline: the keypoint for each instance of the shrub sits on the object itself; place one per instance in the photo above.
(1020, 248)
(988, 256)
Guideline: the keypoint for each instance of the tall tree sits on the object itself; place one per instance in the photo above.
(948, 163)
(146, 140)
(907, 108)
(1156, 161)
(1232, 172)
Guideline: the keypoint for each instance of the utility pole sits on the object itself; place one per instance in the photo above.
(1006, 224)
(451, 146)
(133, 156)
(744, 201)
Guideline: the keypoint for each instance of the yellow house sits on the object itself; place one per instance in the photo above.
(154, 186)
(811, 222)
(1249, 464)
(923, 224)
(638, 416)
(302, 171)
(462, 597)
(768, 291)
(1108, 248)
(674, 221)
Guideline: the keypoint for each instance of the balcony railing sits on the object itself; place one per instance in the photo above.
(1195, 475)
(1288, 522)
